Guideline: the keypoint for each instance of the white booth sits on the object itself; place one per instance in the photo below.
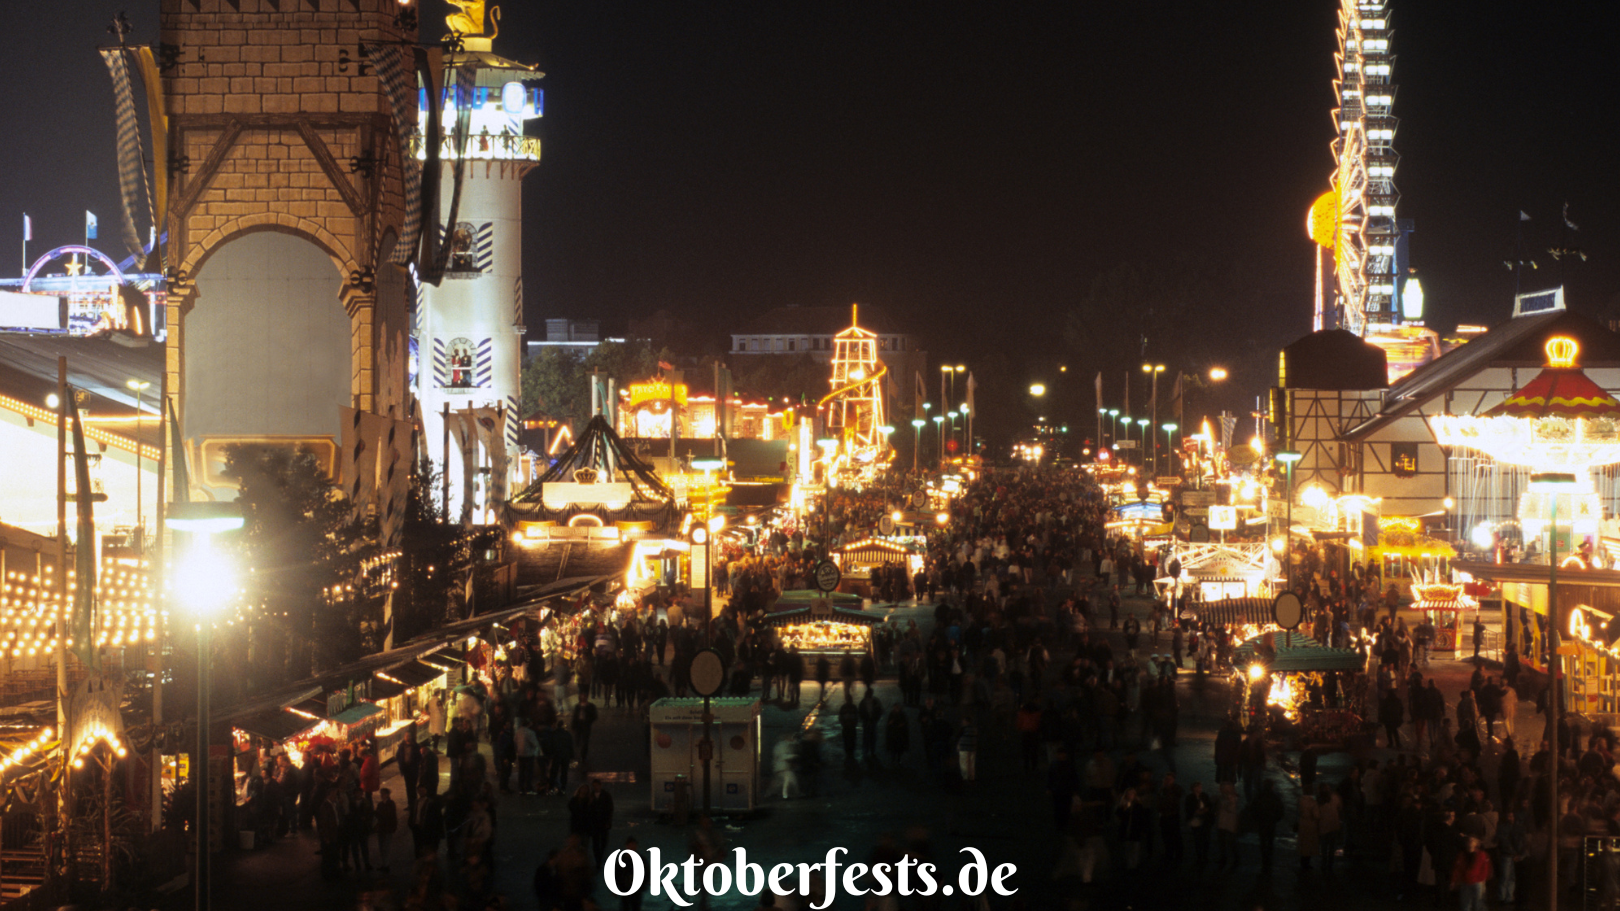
(677, 729)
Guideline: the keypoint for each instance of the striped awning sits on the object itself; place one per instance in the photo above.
(1233, 611)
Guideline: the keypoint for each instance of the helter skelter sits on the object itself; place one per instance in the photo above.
(854, 409)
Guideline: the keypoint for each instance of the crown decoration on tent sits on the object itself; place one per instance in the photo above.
(1559, 421)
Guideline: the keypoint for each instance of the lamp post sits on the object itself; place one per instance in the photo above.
(1289, 457)
(140, 517)
(939, 427)
(916, 444)
(1552, 484)
(1169, 446)
(203, 582)
(1153, 371)
(1142, 424)
(699, 537)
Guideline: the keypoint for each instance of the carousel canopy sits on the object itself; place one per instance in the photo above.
(1297, 653)
(1560, 420)
(598, 475)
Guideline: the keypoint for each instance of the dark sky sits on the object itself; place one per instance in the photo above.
(970, 167)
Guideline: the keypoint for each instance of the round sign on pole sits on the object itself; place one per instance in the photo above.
(708, 673)
(886, 526)
(1288, 610)
(828, 576)
(919, 499)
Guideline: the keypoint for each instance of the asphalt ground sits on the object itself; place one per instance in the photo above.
(857, 805)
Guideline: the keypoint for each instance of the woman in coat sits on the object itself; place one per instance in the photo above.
(1310, 817)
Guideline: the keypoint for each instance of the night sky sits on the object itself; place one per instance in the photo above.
(970, 168)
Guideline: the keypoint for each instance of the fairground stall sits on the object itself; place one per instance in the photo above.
(1449, 609)
(1216, 572)
(858, 559)
(677, 760)
(404, 691)
(1291, 684)
(823, 630)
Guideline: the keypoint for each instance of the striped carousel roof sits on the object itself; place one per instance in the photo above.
(1561, 389)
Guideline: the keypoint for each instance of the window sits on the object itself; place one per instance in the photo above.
(1403, 459)
(793, 344)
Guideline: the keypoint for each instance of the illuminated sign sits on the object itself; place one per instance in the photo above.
(655, 390)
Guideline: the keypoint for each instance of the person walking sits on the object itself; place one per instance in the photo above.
(528, 754)
(1469, 874)
(1226, 826)
(871, 714)
(385, 824)
(898, 734)
(1200, 812)
(1268, 813)
(967, 751)
(1309, 830)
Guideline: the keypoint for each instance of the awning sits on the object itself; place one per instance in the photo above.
(1297, 653)
(1455, 605)
(416, 673)
(444, 659)
(837, 615)
(386, 689)
(357, 713)
(804, 597)
(1234, 611)
(278, 726)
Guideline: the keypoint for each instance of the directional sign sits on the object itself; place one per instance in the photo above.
(828, 576)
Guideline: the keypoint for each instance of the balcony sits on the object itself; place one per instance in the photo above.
(483, 147)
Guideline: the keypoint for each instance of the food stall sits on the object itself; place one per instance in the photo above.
(1290, 683)
(1451, 611)
(824, 630)
(858, 559)
(677, 731)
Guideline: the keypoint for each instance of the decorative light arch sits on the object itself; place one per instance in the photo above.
(68, 250)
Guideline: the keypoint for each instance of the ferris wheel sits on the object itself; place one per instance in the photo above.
(1364, 180)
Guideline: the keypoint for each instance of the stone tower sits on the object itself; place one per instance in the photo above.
(287, 198)
(469, 327)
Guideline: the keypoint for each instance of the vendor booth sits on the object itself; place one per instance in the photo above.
(823, 630)
(859, 559)
(801, 598)
(677, 766)
(1449, 609)
(1290, 682)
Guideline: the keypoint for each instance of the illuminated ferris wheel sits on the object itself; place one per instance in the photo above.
(1364, 181)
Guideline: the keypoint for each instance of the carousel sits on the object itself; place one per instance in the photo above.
(1291, 684)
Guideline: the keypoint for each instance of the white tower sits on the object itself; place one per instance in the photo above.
(468, 330)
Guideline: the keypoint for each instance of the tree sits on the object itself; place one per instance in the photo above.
(299, 540)
(429, 559)
(797, 378)
(556, 381)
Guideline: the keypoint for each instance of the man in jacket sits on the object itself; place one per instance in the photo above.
(1469, 874)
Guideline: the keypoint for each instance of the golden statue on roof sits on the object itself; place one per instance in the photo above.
(467, 22)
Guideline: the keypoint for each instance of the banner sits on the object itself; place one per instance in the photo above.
(399, 82)
(157, 116)
(179, 457)
(394, 480)
(131, 158)
(464, 429)
(492, 435)
(82, 628)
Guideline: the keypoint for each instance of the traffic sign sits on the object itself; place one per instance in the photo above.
(828, 576)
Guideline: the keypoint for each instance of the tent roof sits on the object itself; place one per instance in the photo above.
(1302, 653)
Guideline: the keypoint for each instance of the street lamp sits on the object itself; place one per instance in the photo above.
(939, 428)
(1153, 371)
(1143, 424)
(203, 582)
(140, 521)
(916, 444)
(1216, 374)
(1037, 389)
(1552, 484)
(1289, 457)
(1170, 445)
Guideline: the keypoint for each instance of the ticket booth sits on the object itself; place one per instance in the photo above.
(677, 730)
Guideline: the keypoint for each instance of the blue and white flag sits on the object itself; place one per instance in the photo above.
(89, 225)
(28, 228)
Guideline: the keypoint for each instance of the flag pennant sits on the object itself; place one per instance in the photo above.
(89, 225)
(28, 228)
